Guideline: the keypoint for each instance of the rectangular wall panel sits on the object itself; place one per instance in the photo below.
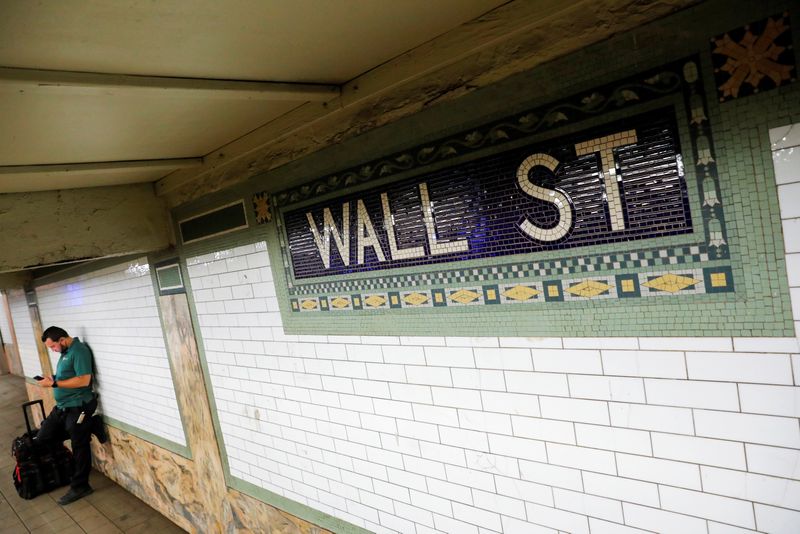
(114, 311)
(5, 331)
(23, 327)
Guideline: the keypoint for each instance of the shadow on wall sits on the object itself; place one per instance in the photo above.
(95, 373)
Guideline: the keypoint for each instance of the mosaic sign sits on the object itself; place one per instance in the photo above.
(610, 182)
(621, 182)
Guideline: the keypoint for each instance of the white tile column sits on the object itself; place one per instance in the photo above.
(786, 159)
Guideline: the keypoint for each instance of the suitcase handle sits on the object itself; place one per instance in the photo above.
(25, 412)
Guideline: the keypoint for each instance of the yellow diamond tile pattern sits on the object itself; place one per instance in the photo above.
(671, 283)
(375, 301)
(589, 288)
(667, 282)
(464, 296)
(520, 293)
(308, 304)
(415, 299)
(340, 302)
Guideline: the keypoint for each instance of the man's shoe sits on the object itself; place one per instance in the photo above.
(99, 429)
(74, 494)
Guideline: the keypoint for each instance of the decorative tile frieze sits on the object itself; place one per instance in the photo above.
(563, 266)
(686, 281)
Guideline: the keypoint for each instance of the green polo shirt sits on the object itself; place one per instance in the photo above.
(75, 361)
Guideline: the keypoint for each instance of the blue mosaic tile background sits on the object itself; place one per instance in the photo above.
(480, 203)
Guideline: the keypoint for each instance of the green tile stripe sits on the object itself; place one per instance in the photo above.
(296, 509)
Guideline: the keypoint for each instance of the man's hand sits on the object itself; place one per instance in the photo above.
(46, 382)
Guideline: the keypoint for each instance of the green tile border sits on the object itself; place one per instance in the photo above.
(171, 446)
(297, 509)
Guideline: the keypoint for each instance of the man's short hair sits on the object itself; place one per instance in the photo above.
(54, 333)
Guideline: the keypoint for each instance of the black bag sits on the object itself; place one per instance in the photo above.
(41, 467)
(22, 447)
(28, 480)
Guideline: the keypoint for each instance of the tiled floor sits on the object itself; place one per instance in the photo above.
(110, 509)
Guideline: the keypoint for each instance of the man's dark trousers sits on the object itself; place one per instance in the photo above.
(62, 423)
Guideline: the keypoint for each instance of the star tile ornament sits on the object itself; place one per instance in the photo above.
(262, 208)
(754, 58)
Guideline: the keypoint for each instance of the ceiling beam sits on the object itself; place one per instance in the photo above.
(513, 38)
(96, 84)
(47, 227)
(14, 280)
(104, 167)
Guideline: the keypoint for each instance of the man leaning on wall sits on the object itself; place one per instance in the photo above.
(73, 416)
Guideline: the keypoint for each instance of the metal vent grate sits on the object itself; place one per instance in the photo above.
(212, 223)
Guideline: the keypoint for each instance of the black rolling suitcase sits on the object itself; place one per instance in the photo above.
(41, 467)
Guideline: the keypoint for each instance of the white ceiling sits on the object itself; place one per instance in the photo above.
(46, 180)
(57, 128)
(67, 119)
(322, 41)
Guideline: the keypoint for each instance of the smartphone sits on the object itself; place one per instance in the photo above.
(37, 377)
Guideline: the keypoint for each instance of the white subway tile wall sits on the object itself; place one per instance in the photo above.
(114, 311)
(5, 331)
(786, 161)
(459, 435)
(23, 327)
